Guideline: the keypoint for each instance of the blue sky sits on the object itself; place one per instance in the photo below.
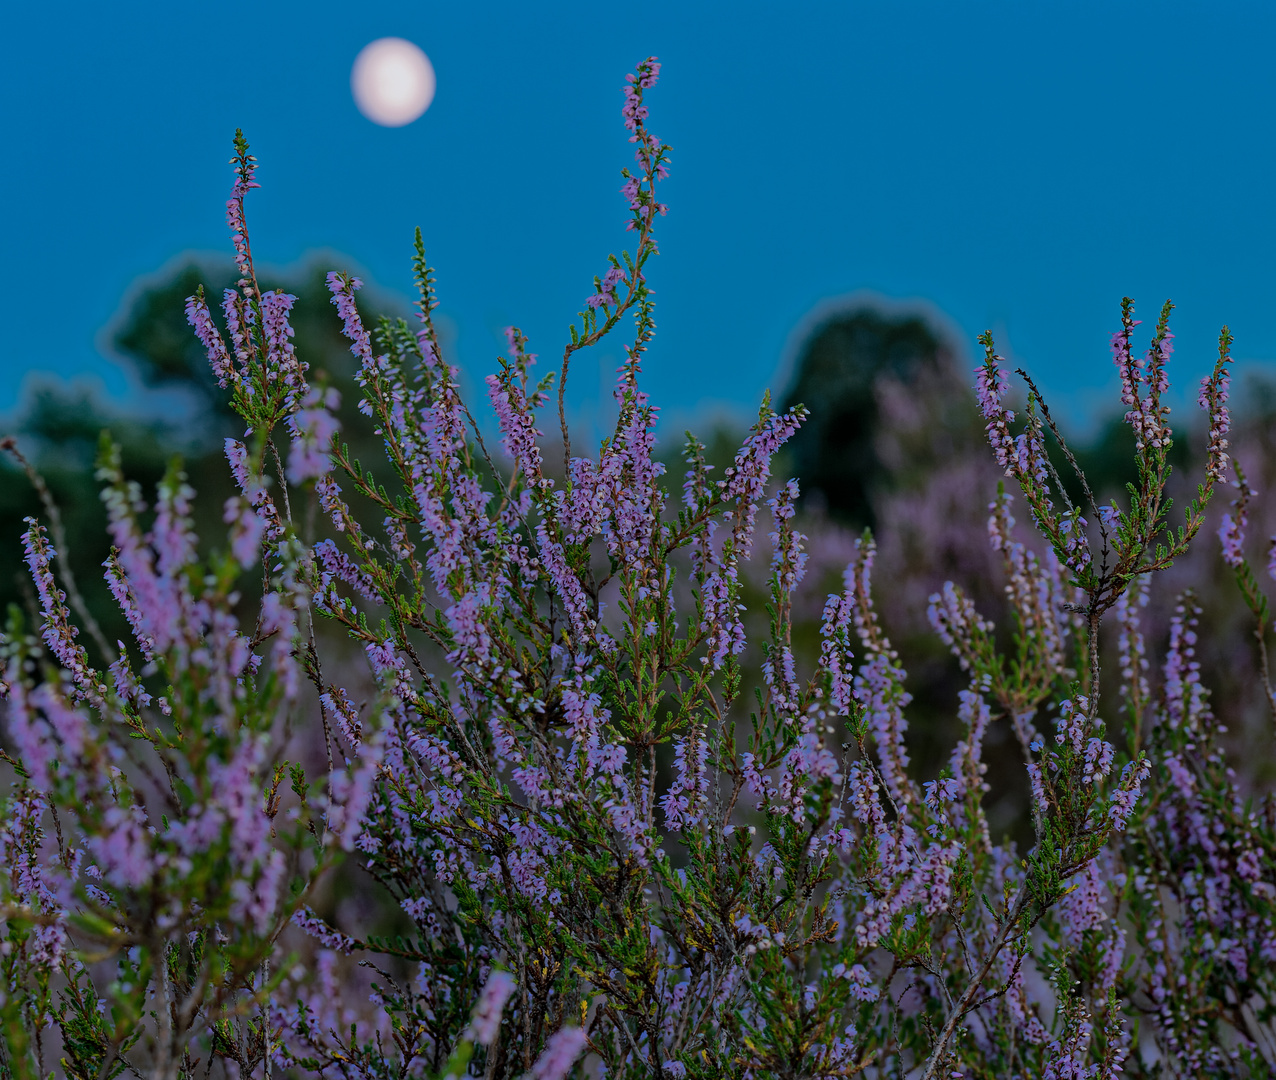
(1021, 166)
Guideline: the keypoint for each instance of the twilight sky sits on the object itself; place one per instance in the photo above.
(1019, 165)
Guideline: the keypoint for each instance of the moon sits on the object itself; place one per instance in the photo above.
(392, 81)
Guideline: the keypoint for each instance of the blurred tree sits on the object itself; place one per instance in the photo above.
(842, 370)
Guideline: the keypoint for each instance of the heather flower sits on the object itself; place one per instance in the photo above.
(1082, 908)
(343, 287)
(1133, 776)
(58, 632)
(835, 653)
(561, 1052)
(684, 803)
(486, 1021)
(201, 321)
(352, 792)
(1213, 399)
(1231, 531)
(606, 288)
(247, 530)
(745, 482)
(322, 932)
(991, 383)
(1076, 547)
(313, 428)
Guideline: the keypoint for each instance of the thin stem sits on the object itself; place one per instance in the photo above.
(967, 1000)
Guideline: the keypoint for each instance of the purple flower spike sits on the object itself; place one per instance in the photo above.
(561, 1052)
(486, 1021)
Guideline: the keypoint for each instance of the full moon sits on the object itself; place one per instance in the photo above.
(393, 82)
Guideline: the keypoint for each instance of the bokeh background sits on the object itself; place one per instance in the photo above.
(858, 189)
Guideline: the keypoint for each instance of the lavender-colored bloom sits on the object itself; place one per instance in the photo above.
(1213, 399)
(567, 585)
(247, 534)
(879, 686)
(789, 560)
(1113, 956)
(485, 1024)
(335, 565)
(1082, 908)
(836, 654)
(687, 796)
(313, 428)
(30, 732)
(745, 482)
(1076, 547)
(352, 792)
(721, 623)
(1122, 805)
(991, 383)
(241, 318)
(518, 426)
(123, 850)
(1040, 803)
(172, 535)
(1185, 697)
(210, 337)
(322, 932)
(281, 355)
(1231, 531)
(606, 293)
(57, 630)
(244, 182)
(561, 1051)
(371, 369)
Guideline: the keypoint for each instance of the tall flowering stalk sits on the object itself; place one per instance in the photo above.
(615, 859)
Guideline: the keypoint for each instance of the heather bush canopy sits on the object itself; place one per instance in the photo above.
(616, 821)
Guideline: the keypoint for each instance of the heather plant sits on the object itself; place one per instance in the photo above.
(616, 858)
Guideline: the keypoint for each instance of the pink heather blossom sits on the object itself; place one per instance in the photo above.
(123, 850)
(241, 318)
(606, 293)
(322, 932)
(991, 383)
(219, 359)
(335, 565)
(1213, 399)
(371, 369)
(313, 427)
(486, 1021)
(788, 560)
(235, 220)
(1131, 652)
(247, 530)
(1082, 908)
(281, 356)
(684, 803)
(352, 793)
(561, 1051)
(1076, 547)
(745, 482)
(58, 632)
(835, 652)
(1231, 531)
(248, 534)
(1133, 777)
